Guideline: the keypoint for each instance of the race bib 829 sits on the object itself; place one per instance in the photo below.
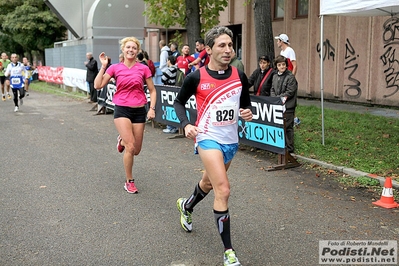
(223, 115)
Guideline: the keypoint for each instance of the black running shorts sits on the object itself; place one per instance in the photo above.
(136, 114)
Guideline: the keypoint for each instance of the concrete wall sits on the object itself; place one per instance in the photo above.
(68, 56)
(100, 25)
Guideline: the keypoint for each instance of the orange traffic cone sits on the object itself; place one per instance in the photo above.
(387, 200)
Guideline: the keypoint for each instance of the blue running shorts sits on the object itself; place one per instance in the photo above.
(228, 150)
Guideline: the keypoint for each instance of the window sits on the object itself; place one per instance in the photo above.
(278, 9)
(302, 7)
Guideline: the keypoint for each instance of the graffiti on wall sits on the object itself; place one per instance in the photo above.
(353, 90)
(328, 50)
(352, 85)
(390, 37)
(389, 59)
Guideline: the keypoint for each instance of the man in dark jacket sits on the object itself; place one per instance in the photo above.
(284, 85)
(92, 71)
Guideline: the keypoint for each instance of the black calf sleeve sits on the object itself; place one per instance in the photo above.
(196, 197)
(223, 224)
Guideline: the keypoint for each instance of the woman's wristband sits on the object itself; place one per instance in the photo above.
(153, 108)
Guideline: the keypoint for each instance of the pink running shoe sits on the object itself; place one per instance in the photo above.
(119, 146)
(130, 187)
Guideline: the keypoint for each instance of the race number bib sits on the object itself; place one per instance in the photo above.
(16, 81)
(223, 115)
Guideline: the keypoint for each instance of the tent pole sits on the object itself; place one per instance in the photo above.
(322, 76)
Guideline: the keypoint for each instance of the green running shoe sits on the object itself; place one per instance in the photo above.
(230, 258)
(185, 216)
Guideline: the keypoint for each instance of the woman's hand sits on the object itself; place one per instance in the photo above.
(151, 114)
(103, 59)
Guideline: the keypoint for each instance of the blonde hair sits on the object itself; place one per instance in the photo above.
(129, 39)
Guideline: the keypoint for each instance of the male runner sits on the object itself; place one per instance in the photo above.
(17, 75)
(5, 85)
(28, 69)
(222, 95)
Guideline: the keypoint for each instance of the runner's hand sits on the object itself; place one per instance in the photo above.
(151, 114)
(246, 114)
(103, 59)
(192, 131)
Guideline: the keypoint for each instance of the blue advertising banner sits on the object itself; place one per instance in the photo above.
(265, 131)
(164, 110)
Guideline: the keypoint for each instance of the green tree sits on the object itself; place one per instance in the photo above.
(30, 24)
(197, 16)
(8, 45)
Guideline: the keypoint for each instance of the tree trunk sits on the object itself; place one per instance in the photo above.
(40, 57)
(193, 24)
(263, 28)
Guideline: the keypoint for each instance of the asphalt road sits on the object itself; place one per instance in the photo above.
(62, 200)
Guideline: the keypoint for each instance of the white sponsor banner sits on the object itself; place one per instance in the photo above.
(376, 252)
(74, 77)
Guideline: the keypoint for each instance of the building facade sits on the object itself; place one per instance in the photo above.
(360, 54)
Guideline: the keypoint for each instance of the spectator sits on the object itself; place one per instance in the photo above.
(185, 59)
(35, 72)
(203, 58)
(261, 79)
(284, 85)
(173, 49)
(130, 100)
(215, 135)
(141, 59)
(169, 78)
(163, 57)
(235, 61)
(284, 44)
(92, 71)
(149, 63)
(195, 54)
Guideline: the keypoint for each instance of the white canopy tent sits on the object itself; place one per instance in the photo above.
(350, 8)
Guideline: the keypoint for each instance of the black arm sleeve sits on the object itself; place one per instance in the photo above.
(245, 100)
(188, 89)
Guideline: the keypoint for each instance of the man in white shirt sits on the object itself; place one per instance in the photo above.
(163, 57)
(284, 44)
(17, 75)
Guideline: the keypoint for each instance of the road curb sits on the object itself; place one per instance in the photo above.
(348, 171)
